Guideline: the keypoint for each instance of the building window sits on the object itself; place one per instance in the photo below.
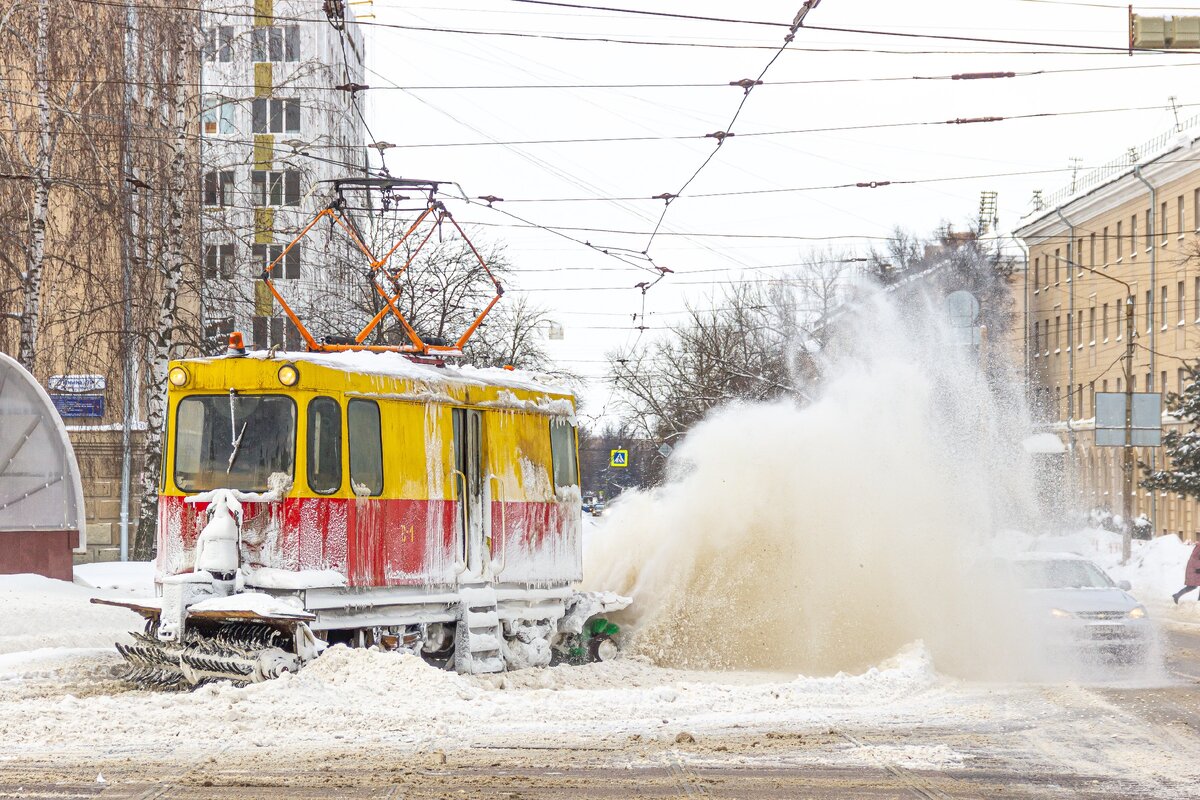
(267, 254)
(275, 188)
(1037, 338)
(1104, 245)
(1180, 300)
(1119, 251)
(218, 261)
(272, 115)
(1092, 250)
(1179, 215)
(1149, 308)
(1057, 334)
(1078, 255)
(219, 329)
(280, 43)
(1104, 322)
(1195, 210)
(1037, 273)
(1079, 330)
(1092, 325)
(218, 115)
(1057, 266)
(218, 188)
(1181, 376)
(1162, 221)
(218, 44)
(1133, 236)
(277, 332)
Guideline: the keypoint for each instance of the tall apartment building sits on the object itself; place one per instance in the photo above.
(274, 129)
(111, 103)
(1134, 222)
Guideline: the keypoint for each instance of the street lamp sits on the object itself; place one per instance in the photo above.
(1127, 465)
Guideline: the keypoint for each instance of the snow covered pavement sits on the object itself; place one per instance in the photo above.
(353, 716)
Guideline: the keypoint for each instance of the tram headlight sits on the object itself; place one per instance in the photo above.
(178, 376)
(289, 375)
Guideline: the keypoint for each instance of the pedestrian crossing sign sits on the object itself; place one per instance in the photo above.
(618, 458)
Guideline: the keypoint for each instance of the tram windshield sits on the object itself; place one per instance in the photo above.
(233, 441)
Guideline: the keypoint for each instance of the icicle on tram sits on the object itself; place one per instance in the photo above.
(369, 495)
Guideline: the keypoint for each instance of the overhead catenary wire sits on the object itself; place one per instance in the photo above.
(1069, 48)
(723, 86)
(723, 134)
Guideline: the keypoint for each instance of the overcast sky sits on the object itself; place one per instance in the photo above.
(592, 294)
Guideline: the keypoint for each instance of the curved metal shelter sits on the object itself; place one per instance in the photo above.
(42, 513)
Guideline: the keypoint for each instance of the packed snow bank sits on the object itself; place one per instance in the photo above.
(38, 612)
(135, 577)
(401, 700)
(822, 537)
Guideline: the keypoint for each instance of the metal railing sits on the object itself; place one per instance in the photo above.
(1087, 180)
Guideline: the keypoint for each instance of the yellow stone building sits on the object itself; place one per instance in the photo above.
(1130, 227)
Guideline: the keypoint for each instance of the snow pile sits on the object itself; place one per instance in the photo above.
(294, 579)
(823, 537)
(446, 710)
(264, 605)
(38, 612)
(135, 577)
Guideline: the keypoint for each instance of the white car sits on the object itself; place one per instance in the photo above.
(1081, 608)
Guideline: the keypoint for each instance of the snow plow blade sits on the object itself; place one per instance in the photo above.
(240, 646)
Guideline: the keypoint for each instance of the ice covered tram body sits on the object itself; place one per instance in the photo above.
(310, 499)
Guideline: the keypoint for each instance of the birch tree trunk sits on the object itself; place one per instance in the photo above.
(35, 265)
(162, 337)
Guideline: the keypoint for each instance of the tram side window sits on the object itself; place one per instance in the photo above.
(366, 447)
(562, 453)
(324, 445)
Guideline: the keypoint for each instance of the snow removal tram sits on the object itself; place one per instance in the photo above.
(370, 496)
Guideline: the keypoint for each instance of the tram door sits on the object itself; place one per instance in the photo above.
(468, 477)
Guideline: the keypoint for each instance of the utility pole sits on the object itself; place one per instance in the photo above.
(1127, 466)
(128, 188)
(1127, 461)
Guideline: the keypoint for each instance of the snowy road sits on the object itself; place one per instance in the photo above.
(934, 739)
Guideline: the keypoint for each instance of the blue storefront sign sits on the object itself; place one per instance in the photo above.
(78, 405)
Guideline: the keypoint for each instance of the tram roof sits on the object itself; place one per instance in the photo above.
(398, 366)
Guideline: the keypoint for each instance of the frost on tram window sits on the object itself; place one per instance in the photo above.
(324, 444)
(366, 447)
(238, 442)
(562, 453)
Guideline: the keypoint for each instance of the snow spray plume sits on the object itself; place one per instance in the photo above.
(825, 537)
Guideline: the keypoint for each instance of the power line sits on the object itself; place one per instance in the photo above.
(1070, 48)
(961, 121)
(861, 31)
(721, 135)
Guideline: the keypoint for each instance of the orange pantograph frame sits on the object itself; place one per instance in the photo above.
(416, 345)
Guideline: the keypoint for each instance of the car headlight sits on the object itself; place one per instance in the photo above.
(1137, 613)
(178, 376)
(1060, 614)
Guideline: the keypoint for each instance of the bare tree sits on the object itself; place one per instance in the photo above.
(174, 243)
(749, 342)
